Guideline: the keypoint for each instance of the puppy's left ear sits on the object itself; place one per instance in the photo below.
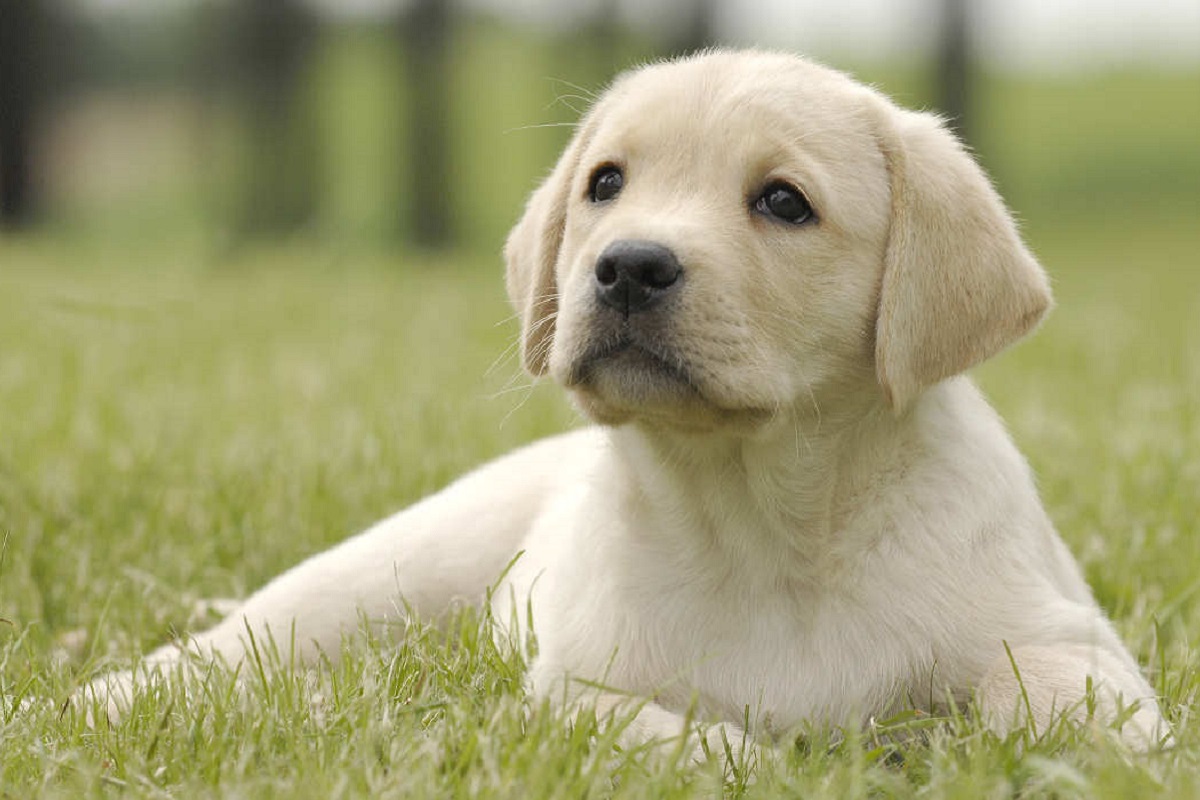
(958, 283)
(531, 255)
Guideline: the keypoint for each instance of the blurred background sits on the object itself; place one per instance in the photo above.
(229, 232)
(422, 124)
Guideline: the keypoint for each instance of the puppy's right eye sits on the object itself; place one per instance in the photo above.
(784, 202)
(606, 183)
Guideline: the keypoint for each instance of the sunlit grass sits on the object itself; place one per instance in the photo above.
(183, 423)
(180, 421)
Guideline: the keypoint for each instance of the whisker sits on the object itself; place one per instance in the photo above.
(587, 94)
(529, 387)
(505, 355)
(496, 395)
(536, 125)
(516, 315)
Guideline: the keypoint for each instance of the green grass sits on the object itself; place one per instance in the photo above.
(184, 423)
(179, 422)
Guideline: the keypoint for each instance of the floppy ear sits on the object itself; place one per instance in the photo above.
(531, 255)
(958, 283)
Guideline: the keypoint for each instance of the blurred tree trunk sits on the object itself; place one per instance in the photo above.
(425, 35)
(954, 64)
(605, 36)
(274, 41)
(698, 30)
(20, 89)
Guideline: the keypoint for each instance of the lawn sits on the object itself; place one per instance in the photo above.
(182, 424)
(180, 421)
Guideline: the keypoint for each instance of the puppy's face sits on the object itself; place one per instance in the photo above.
(721, 247)
(716, 246)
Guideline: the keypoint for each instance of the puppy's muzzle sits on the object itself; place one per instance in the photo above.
(633, 275)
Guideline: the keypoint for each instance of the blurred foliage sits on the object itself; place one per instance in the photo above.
(155, 143)
(185, 417)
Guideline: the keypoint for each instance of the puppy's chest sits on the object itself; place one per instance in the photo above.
(658, 630)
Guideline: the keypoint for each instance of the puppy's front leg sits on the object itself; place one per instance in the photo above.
(641, 721)
(1050, 682)
(646, 723)
(449, 547)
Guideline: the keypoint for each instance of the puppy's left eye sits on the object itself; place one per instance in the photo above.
(606, 183)
(784, 202)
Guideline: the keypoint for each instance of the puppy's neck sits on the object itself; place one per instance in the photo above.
(774, 499)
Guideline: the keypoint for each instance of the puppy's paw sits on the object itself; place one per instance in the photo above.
(109, 697)
(723, 740)
(106, 698)
(667, 731)
(1037, 686)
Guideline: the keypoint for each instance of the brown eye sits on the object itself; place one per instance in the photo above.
(785, 203)
(607, 182)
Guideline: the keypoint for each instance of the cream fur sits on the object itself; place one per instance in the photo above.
(792, 505)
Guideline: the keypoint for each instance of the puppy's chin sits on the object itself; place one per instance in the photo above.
(635, 385)
(615, 386)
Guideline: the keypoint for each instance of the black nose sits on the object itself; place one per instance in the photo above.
(633, 275)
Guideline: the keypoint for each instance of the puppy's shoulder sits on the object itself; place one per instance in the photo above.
(956, 429)
(964, 471)
(562, 452)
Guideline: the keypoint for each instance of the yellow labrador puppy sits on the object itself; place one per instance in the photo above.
(762, 281)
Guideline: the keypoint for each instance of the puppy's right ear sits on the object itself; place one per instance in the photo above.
(958, 285)
(531, 255)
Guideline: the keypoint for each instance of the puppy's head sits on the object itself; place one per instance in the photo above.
(738, 234)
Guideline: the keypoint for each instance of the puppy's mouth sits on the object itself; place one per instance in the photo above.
(640, 368)
(632, 376)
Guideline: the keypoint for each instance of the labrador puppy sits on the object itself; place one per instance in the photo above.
(762, 281)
